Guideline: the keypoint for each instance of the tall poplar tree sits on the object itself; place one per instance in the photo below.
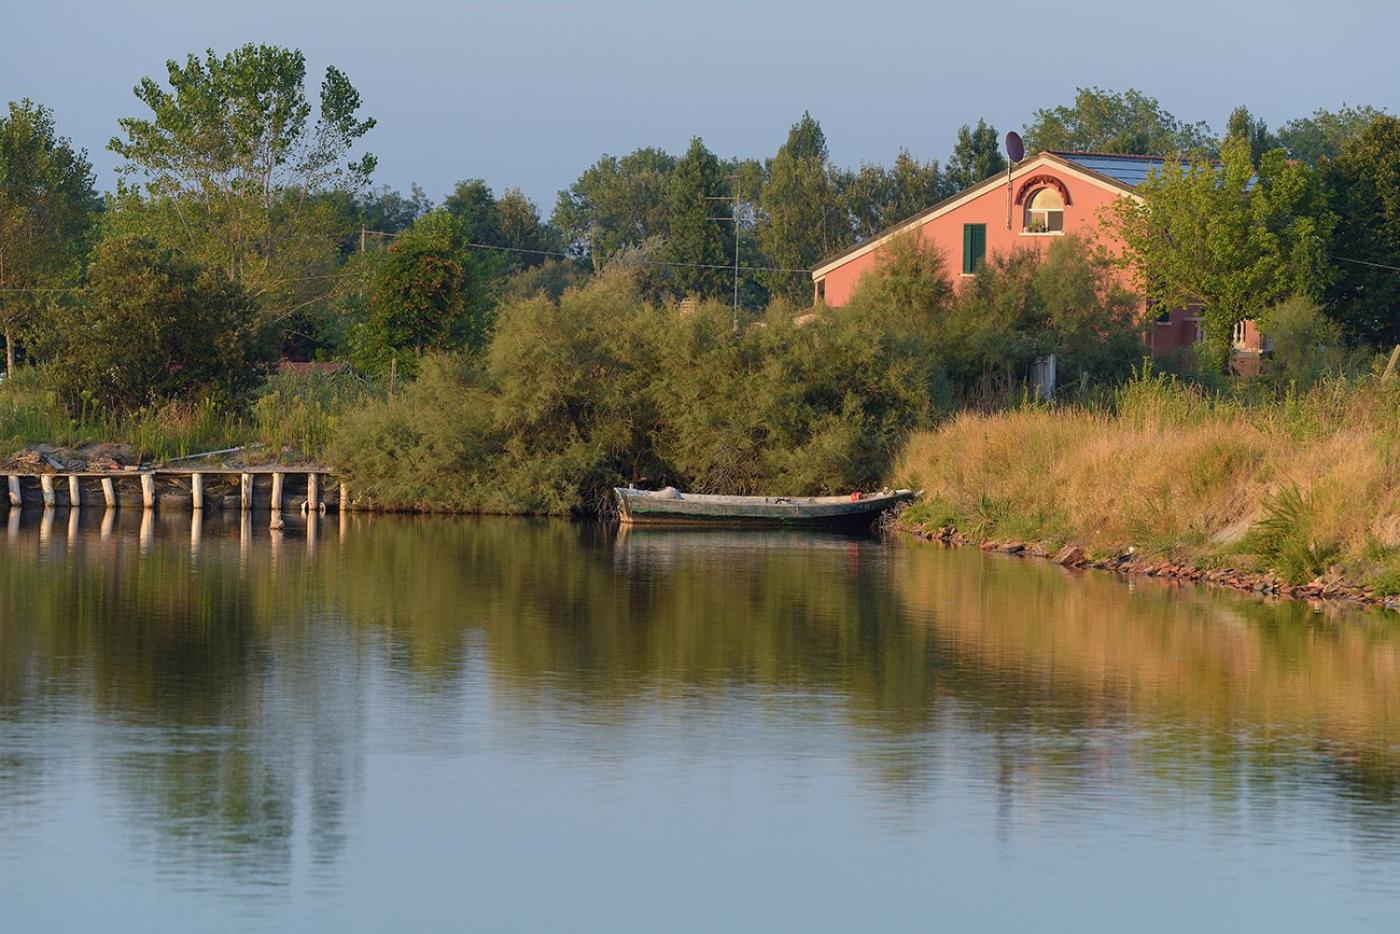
(800, 213)
(701, 228)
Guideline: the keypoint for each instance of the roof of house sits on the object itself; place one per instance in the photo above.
(1100, 167)
(1130, 170)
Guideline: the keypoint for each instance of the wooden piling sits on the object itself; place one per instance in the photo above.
(46, 489)
(109, 493)
(16, 499)
(245, 491)
(277, 480)
(344, 504)
(313, 492)
(197, 490)
(75, 491)
(148, 491)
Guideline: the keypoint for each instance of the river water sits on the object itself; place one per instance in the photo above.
(388, 724)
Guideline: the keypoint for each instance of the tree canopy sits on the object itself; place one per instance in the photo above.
(702, 232)
(976, 156)
(152, 326)
(1364, 188)
(1127, 122)
(800, 216)
(47, 214)
(615, 204)
(228, 165)
(1233, 238)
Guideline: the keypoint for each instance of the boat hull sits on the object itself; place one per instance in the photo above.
(641, 507)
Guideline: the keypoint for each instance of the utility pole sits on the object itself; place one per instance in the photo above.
(734, 218)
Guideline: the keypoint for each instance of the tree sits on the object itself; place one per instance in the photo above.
(975, 157)
(387, 211)
(1364, 188)
(800, 213)
(876, 197)
(511, 223)
(1227, 237)
(521, 230)
(1304, 343)
(152, 326)
(229, 165)
(615, 204)
(1254, 130)
(1322, 136)
(426, 293)
(1093, 318)
(1104, 121)
(47, 213)
(699, 218)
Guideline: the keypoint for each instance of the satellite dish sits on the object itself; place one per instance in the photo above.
(1015, 149)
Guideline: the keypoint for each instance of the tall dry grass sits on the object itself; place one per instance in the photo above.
(1299, 486)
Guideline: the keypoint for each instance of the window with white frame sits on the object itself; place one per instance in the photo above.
(1045, 212)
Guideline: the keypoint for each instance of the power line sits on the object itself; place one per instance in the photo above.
(1362, 262)
(639, 262)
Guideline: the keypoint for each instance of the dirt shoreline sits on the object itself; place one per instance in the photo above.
(1324, 590)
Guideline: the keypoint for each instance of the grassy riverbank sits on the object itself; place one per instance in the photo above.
(291, 419)
(1303, 487)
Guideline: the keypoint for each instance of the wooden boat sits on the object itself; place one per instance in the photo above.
(672, 507)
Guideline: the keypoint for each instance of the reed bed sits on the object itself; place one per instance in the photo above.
(1300, 486)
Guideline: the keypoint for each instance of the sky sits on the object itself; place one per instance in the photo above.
(530, 93)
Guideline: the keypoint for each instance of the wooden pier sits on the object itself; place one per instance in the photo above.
(186, 486)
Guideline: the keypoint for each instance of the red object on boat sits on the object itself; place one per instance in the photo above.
(857, 496)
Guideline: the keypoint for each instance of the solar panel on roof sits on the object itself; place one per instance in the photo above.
(1130, 170)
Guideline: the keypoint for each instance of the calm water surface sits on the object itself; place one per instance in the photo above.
(402, 725)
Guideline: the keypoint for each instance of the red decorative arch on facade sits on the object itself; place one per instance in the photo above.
(1041, 181)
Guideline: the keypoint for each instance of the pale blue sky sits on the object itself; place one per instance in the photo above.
(529, 93)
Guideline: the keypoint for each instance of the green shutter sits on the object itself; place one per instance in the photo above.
(974, 247)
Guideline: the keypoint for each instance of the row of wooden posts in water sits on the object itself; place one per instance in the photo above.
(198, 498)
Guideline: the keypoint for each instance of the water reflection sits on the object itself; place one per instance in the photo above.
(222, 686)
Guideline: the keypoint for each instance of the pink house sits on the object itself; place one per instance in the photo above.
(1045, 196)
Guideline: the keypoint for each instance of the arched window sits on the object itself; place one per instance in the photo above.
(1045, 212)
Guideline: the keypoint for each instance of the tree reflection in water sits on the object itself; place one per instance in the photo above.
(225, 679)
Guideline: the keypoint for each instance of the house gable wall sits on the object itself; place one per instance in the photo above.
(1088, 200)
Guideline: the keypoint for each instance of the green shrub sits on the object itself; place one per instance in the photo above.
(605, 389)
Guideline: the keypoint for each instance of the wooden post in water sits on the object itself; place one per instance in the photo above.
(75, 491)
(109, 493)
(16, 499)
(197, 490)
(313, 492)
(344, 504)
(245, 491)
(46, 489)
(148, 491)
